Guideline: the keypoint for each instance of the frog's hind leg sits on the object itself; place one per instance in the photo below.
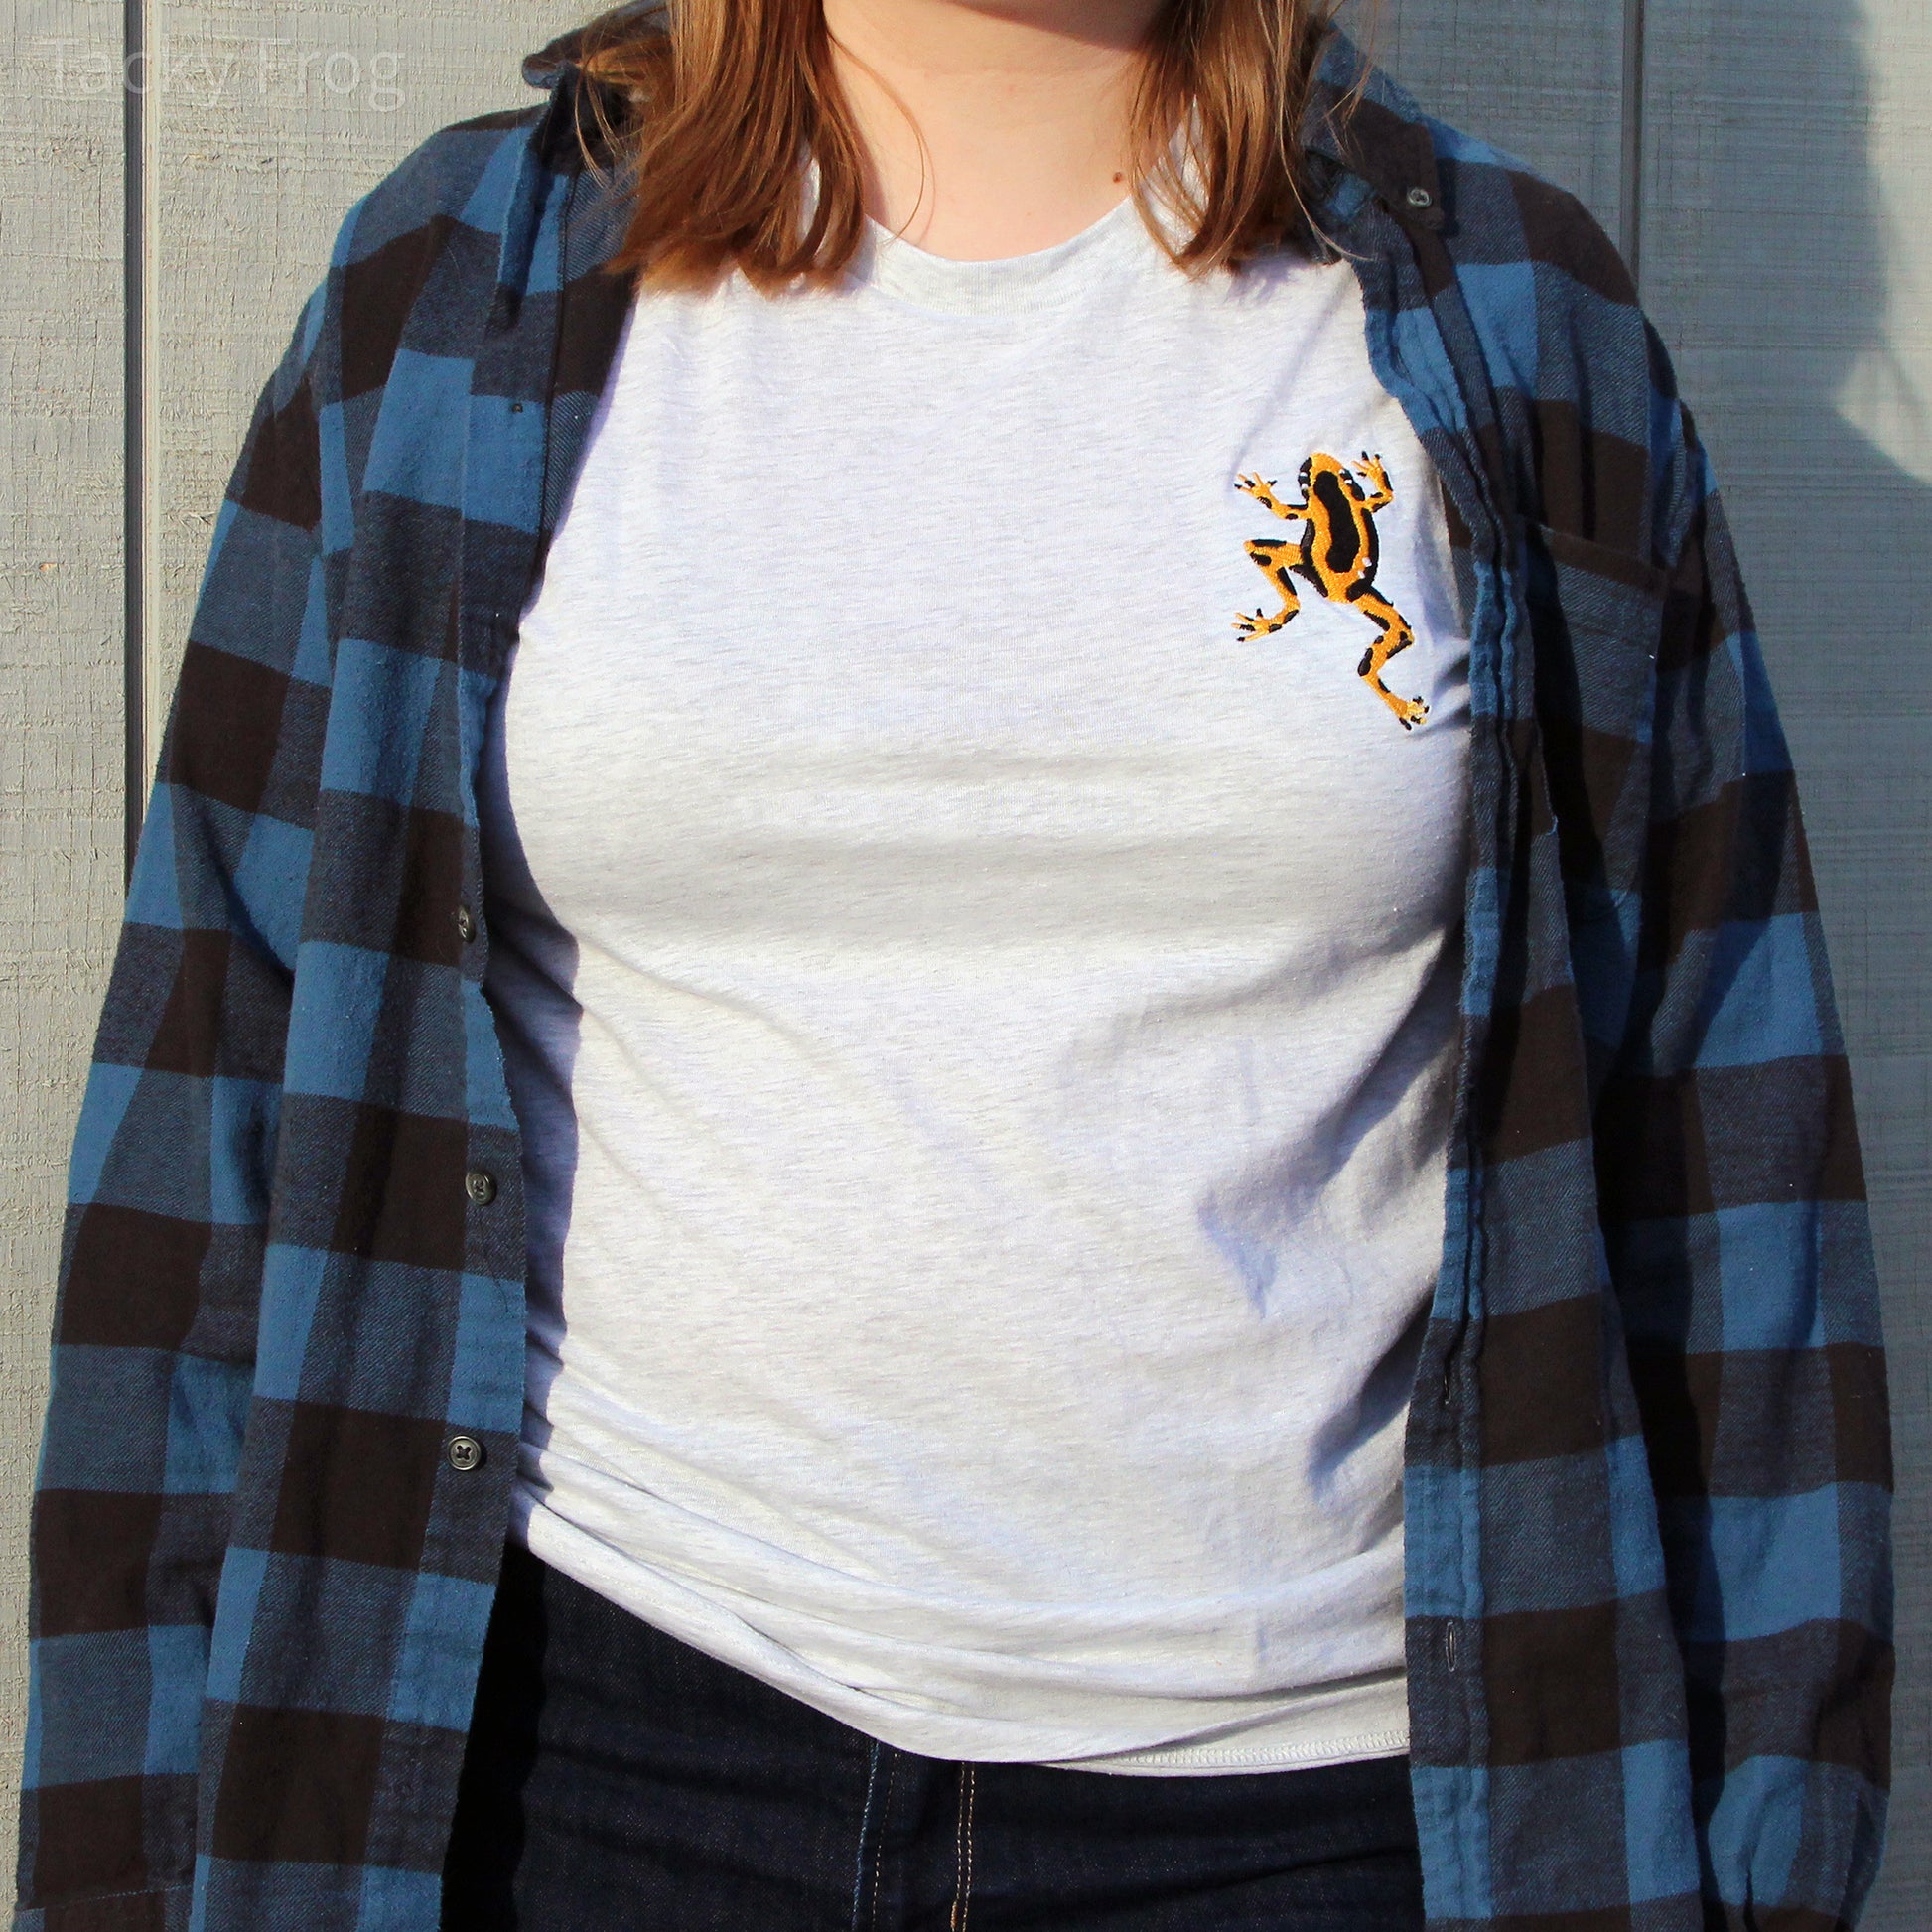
(1396, 636)
(1273, 559)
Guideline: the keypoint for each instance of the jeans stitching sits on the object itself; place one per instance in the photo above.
(879, 1843)
(963, 1852)
(859, 1851)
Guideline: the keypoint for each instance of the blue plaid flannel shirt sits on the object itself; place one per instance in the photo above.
(1647, 1481)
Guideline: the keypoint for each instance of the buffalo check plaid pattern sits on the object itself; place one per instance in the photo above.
(1647, 1478)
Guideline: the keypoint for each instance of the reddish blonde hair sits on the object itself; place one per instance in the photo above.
(730, 100)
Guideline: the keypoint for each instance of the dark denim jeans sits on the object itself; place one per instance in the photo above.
(619, 1780)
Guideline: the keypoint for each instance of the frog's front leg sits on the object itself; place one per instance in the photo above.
(1262, 491)
(1381, 490)
(1274, 560)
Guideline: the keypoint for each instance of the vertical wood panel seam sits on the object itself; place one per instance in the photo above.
(136, 188)
(1631, 197)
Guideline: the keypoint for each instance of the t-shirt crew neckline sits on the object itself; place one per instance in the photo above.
(1007, 284)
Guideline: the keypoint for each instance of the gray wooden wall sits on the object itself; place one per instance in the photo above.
(59, 703)
(1770, 156)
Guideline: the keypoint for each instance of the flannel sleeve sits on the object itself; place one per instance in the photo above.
(1736, 1229)
(154, 1338)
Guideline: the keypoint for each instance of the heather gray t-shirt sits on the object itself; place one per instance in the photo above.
(980, 994)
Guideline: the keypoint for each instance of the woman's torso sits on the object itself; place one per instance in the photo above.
(982, 1025)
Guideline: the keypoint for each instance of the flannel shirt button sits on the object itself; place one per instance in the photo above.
(464, 1452)
(1421, 198)
(466, 924)
(479, 1187)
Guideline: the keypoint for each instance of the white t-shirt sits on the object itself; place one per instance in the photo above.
(981, 1023)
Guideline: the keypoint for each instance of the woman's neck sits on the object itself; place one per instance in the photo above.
(991, 129)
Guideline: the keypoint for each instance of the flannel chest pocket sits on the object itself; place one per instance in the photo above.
(1596, 616)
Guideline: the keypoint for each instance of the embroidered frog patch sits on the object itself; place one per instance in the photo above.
(1338, 552)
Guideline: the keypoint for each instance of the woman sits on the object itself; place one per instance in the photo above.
(973, 877)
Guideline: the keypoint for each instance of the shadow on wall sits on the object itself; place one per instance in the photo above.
(1836, 538)
(1765, 268)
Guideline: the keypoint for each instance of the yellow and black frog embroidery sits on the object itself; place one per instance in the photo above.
(1338, 552)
